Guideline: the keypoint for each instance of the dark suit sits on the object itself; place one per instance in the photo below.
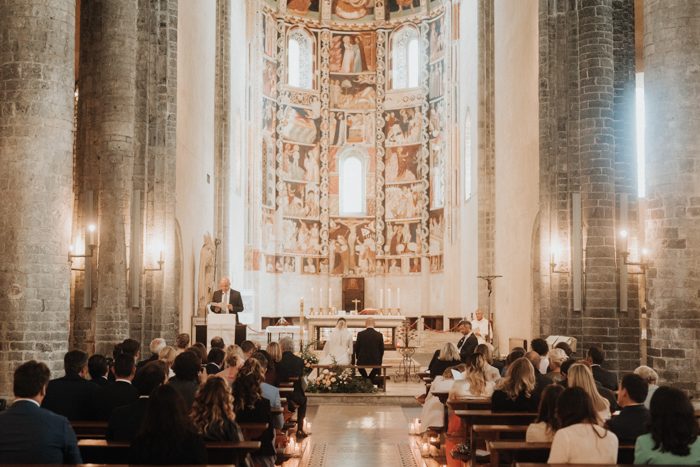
(369, 350)
(234, 299)
(115, 395)
(467, 348)
(632, 422)
(150, 359)
(604, 377)
(292, 366)
(101, 381)
(212, 368)
(32, 435)
(125, 421)
(73, 397)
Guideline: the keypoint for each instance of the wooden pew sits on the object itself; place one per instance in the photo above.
(100, 451)
(521, 451)
(98, 430)
(469, 404)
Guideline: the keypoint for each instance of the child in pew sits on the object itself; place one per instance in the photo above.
(545, 425)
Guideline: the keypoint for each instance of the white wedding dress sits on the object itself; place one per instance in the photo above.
(338, 348)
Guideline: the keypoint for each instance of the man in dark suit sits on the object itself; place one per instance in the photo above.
(125, 421)
(633, 419)
(98, 367)
(215, 361)
(468, 343)
(596, 357)
(226, 300)
(369, 349)
(30, 434)
(122, 392)
(291, 366)
(72, 396)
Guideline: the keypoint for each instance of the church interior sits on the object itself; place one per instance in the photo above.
(519, 171)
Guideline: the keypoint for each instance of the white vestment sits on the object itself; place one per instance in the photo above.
(481, 325)
(338, 348)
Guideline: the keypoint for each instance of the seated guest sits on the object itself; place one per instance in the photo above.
(540, 346)
(596, 357)
(217, 342)
(468, 342)
(182, 341)
(541, 381)
(291, 366)
(580, 439)
(514, 354)
(545, 425)
(564, 370)
(212, 412)
(369, 349)
(122, 392)
(168, 356)
(270, 392)
(275, 353)
(432, 413)
(516, 391)
(200, 350)
(156, 346)
(652, 379)
(443, 359)
(126, 421)
(167, 436)
(492, 373)
(556, 358)
(99, 370)
(633, 419)
(186, 380)
(131, 347)
(248, 348)
(252, 407)
(673, 434)
(234, 362)
(473, 381)
(72, 396)
(566, 348)
(215, 361)
(30, 434)
(580, 376)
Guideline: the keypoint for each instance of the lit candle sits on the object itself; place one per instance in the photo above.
(381, 299)
(320, 298)
(329, 297)
(398, 297)
(312, 298)
(388, 298)
(425, 449)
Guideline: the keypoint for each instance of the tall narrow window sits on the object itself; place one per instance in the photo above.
(300, 59)
(467, 159)
(405, 58)
(639, 111)
(352, 184)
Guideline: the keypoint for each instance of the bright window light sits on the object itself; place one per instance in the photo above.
(352, 187)
(294, 75)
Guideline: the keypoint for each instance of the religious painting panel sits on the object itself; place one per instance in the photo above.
(310, 265)
(269, 36)
(437, 231)
(353, 92)
(436, 264)
(299, 125)
(352, 128)
(301, 236)
(394, 266)
(401, 164)
(268, 170)
(252, 259)
(269, 115)
(354, 10)
(268, 230)
(414, 265)
(402, 238)
(437, 173)
(403, 126)
(437, 80)
(355, 53)
(436, 35)
(304, 7)
(277, 264)
(269, 87)
(352, 246)
(402, 7)
(436, 118)
(403, 201)
(301, 162)
(300, 200)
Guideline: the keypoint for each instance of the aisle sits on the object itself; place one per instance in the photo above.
(359, 436)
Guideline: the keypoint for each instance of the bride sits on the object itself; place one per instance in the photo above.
(338, 348)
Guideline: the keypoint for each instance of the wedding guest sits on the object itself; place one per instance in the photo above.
(580, 375)
(564, 370)
(566, 348)
(217, 342)
(122, 392)
(212, 412)
(182, 341)
(168, 356)
(30, 434)
(492, 373)
(72, 396)
(156, 346)
(215, 361)
(546, 424)
(468, 342)
(270, 392)
(98, 369)
(652, 379)
(443, 359)
(248, 348)
(541, 381)
(200, 350)
(514, 354)
(673, 435)
(633, 419)
(167, 436)
(474, 381)
(556, 358)
(275, 353)
(251, 407)
(516, 391)
(233, 361)
(291, 366)
(540, 346)
(186, 381)
(596, 357)
(432, 413)
(131, 347)
(580, 439)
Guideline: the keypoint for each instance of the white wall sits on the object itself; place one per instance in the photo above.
(517, 163)
(195, 140)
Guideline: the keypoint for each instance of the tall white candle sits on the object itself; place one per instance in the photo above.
(388, 298)
(311, 301)
(381, 299)
(398, 297)
(329, 297)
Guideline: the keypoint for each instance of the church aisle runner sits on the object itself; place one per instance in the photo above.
(360, 436)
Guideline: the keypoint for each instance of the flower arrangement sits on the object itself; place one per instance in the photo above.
(337, 380)
(309, 357)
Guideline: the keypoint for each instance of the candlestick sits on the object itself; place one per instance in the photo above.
(312, 298)
(388, 298)
(398, 298)
(381, 298)
(329, 297)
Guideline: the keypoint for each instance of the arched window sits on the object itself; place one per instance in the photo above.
(300, 59)
(405, 58)
(352, 184)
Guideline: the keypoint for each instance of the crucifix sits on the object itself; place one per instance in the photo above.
(356, 302)
(489, 285)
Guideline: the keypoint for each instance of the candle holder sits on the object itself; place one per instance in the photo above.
(425, 450)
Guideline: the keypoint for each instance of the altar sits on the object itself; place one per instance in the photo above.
(319, 327)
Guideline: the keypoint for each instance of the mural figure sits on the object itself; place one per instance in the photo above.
(358, 93)
(402, 238)
(401, 5)
(299, 126)
(353, 9)
(302, 6)
(437, 40)
(403, 202)
(338, 128)
(403, 126)
(415, 265)
(401, 164)
(270, 39)
(353, 53)
(437, 232)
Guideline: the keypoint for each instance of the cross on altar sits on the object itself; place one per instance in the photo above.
(356, 301)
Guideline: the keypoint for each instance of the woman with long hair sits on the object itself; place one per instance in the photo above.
(444, 358)
(167, 435)
(516, 391)
(167, 356)
(580, 376)
(251, 407)
(492, 373)
(580, 439)
(212, 412)
(473, 382)
(338, 348)
(673, 436)
(545, 425)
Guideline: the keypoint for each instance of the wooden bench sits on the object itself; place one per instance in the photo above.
(86, 429)
(521, 451)
(383, 368)
(100, 451)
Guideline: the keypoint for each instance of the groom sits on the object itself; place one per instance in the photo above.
(369, 349)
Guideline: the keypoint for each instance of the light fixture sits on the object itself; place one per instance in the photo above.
(642, 264)
(157, 247)
(555, 258)
(623, 233)
(90, 245)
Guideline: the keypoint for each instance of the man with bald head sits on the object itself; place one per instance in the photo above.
(226, 300)
(369, 349)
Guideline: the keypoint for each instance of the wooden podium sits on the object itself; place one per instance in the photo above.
(353, 293)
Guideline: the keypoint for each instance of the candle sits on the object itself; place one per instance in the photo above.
(320, 298)
(312, 298)
(381, 299)
(388, 298)
(398, 297)
(329, 297)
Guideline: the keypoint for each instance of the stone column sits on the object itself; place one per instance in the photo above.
(106, 129)
(37, 48)
(672, 92)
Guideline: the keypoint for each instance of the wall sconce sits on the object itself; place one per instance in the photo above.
(555, 258)
(161, 261)
(89, 243)
(642, 264)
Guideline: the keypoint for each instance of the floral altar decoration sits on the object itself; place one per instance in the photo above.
(309, 357)
(338, 380)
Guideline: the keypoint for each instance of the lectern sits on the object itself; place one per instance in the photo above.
(222, 325)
